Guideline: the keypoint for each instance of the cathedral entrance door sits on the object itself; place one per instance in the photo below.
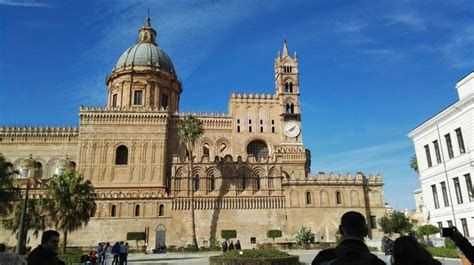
(160, 240)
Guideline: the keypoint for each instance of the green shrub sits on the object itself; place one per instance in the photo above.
(256, 253)
(304, 236)
(373, 249)
(449, 243)
(443, 252)
(274, 234)
(191, 248)
(227, 234)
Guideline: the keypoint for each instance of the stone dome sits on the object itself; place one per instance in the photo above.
(146, 53)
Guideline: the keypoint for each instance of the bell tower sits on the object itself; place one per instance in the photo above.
(288, 91)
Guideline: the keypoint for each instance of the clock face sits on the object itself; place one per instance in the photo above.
(292, 129)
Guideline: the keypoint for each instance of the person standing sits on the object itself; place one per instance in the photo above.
(237, 245)
(116, 253)
(231, 245)
(407, 251)
(224, 246)
(104, 254)
(388, 250)
(352, 249)
(46, 253)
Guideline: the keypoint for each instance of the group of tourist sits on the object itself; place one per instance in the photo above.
(405, 250)
(230, 246)
(113, 255)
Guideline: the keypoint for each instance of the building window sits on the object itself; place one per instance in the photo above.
(373, 222)
(196, 183)
(161, 210)
(338, 197)
(137, 210)
(449, 144)
(244, 182)
(205, 149)
(121, 155)
(462, 149)
(445, 194)
(261, 126)
(212, 182)
(250, 125)
(450, 223)
(257, 182)
(437, 153)
(113, 211)
(308, 198)
(464, 227)
(457, 188)
(137, 97)
(258, 149)
(114, 100)
(38, 170)
(440, 226)
(164, 101)
(273, 126)
(435, 196)
(428, 155)
(238, 125)
(470, 192)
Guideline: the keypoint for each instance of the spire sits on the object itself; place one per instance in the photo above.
(147, 22)
(285, 49)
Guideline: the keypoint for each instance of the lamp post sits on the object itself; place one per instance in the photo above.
(25, 171)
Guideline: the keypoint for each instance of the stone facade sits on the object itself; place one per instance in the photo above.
(251, 170)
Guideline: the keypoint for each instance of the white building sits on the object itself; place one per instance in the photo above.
(420, 205)
(444, 147)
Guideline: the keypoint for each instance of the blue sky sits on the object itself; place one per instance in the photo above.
(370, 71)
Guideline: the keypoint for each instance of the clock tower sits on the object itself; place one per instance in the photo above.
(288, 91)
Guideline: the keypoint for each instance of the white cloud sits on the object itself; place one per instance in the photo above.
(23, 3)
(458, 51)
(409, 19)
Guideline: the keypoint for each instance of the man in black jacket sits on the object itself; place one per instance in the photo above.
(352, 249)
(46, 253)
(463, 244)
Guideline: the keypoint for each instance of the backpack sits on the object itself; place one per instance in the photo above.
(351, 258)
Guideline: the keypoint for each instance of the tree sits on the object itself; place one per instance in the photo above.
(414, 163)
(8, 193)
(427, 230)
(395, 223)
(274, 234)
(69, 201)
(304, 236)
(35, 219)
(190, 130)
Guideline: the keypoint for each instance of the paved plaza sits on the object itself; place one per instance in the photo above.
(306, 256)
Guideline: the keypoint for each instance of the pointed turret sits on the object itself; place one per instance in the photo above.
(285, 49)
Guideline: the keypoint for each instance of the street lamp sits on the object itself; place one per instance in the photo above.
(27, 167)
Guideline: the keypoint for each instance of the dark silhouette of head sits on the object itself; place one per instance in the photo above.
(50, 240)
(353, 224)
(407, 251)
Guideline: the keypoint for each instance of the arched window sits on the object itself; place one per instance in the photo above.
(287, 87)
(38, 170)
(137, 210)
(161, 210)
(244, 182)
(205, 149)
(121, 155)
(338, 197)
(308, 198)
(291, 87)
(292, 108)
(113, 211)
(196, 182)
(257, 182)
(257, 148)
(212, 182)
(73, 165)
(288, 108)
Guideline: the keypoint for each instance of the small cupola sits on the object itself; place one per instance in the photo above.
(147, 34)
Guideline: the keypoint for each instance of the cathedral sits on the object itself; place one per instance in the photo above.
(251, 169)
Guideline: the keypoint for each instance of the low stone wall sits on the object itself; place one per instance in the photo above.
(290, 260)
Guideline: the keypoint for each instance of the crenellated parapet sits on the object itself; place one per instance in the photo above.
(339, 179)
(253, 98)
(38, 134)
(128, 115)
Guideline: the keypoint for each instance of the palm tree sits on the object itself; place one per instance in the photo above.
(69, 201)
(414, 163)
(190, 130)
(35, 218)
(8, 193)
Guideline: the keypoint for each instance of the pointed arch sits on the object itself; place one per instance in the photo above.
(355, 198)
(323, 198)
